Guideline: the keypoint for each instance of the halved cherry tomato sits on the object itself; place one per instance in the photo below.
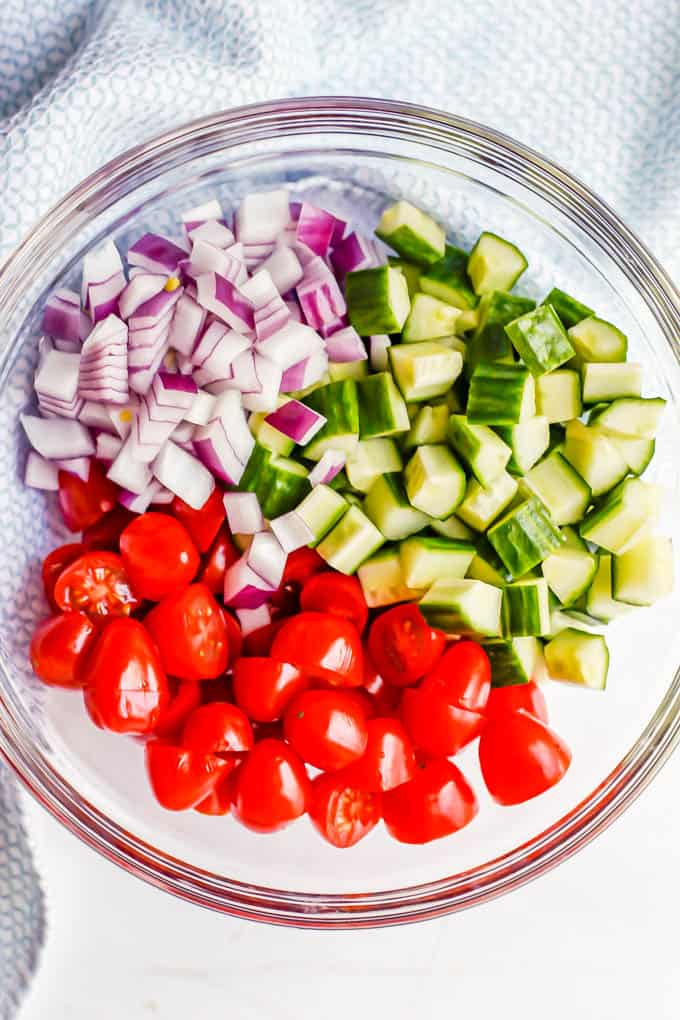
(159, 555)
(259, 642)
(58, 646)
(509, 699)
(96, 584)
(54, 564)
(218, 728)
(322, 646)
(125, 686)
(403, 646)
(191, 634)
(272, 787)
(327, 728)
(521, 757)
(222, 554)
(462, 675)
(202, 524)
(218, 802)
(181, 779)
(105, 532)
(220, 689)
(83, 503)
(263, 687)
(435, 803)
(386, 698)
(300, 566)
(362, 698)
(337, 594)
(388, 761)
(342, 813)
(435, 725)
(234, 637)
(185, 696)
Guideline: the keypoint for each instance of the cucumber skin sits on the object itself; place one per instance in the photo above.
(569, 310)
(381, 407)
(278, 492)
(524, 537)
(365, 290)
(497, 394)
(338, 403)
(540, 340)
(506, 668)
(448, 279)
(489, 342)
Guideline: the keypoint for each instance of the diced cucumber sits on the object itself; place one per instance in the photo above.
(637, 453)
(578, 658)
(594, 339)
(631, 416)
(338, 403)
(321, 509)
(568, 308)
(454, 343)
(382, 579)
(463, 607)
(435, 481)
(571, 569)
(268, 436)
(424, 370)
(353, 539)
(412, 233)
(370, 459)
(617, 522)
(528, 441)
(558, 395)
(452, 527)
(448, 279)
(482, 505)
(526, 610)
(494, 264)
(599, 602)
(564, 619)
(382, 411)
(540, 340)
(490, 341)
(411, 273)
(339, 370)
(487, 565)
(428, 319)
(610, 380)
(524, 536)
(514, 661)
(557, 434)
(643, 574)
(501, 394)
(388, 507)
(430, 425)
(278, 482)
(594, 457)
(479, 447)
(562, 490)
(377, 300)
(425, 559)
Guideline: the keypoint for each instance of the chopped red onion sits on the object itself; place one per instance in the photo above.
(213, 231)
(41, 473)
(261, 217)
(267, 558)
(202, 409)
(96, 416)
(183, 433)
(103, 362)
(216, 356)
(102, 298)
(57, 376)
(329, 328)
(61, 317)
(319, 295)
(107, 447)
(225, 443)
(229, 411)
(293, 343)
(127, 471)
(354, 252)
(160, 411)
(345, 345)
(243, 588)
(284, 267)
(331, 464)
(305, 373)
(253, 619)
(259, 289)
(255, 254)
(139, 502)
(206, 258)
(155, 254)
(139, 290)
(243, 374)
(294, 208)
(162, 496)
(122, 417)
(184, 475)
(59, 408)
(224, 300)
(338, 232)
(269, 375)
(57, 438)
(379, 345)
(210, 210)
(291, 531)
(315, 228)
(154, 310)
(244, 515)
(297, 421)
(68, 346)
(78, 466)
(103, 280)
(294, 310)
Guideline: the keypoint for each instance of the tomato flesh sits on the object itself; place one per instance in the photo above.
(189, 629)
(435, 803)
(327, 728)
(181, 779)
(521, 757)
(222, 554)
(322, 646)
(202, 524)
(55, 563)
(184, 697)
(263, 687)
(218, 728)
(58, 647)
(509, 699)
(337, 594)
(388, 761)
(342, 813)
(272, 787)
(234, 637)
(403, 646)
(96, 584)
(105, 533)
(83, 503)
(159, 555)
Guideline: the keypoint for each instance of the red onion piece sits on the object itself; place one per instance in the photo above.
(267, 558)
(244, 515)
(243, 588)
(206, 258)
(78, 466)
(324, 471)
(107, 448)
(253, 619)
(354, 252)
(139, 502)
(270, 376)
(213, 231)
(103, 280)
(345, 345)
(319, 295)
(61, 317)
(224, 300)
(155, 254)
(261, 217)
(96, 416)
(210, 210)
(297, 421)
(187, 324)
(57, 438)
(57, 376)
(40, 473)
(291, 531)
(315, 228)
(184, 475)
(127, 471)
(284, 268)
(139, 290)
(202, 409)
(305, 373)
(293, 343)
(103, 362)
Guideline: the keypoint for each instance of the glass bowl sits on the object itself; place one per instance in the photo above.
(352, 155)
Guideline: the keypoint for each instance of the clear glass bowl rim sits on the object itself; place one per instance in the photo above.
(457, 136)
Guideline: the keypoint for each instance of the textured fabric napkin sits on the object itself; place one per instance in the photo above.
(594, 84)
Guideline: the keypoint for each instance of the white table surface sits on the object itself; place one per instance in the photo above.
(597, 938)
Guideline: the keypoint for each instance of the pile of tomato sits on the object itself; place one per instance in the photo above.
(347, 716)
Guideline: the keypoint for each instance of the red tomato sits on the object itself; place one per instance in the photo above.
(263, 687)
(362, 698)
(337, 594)
(83, 503)
(105, 532)
(218, 802)
(435, 725)
(181, 779)
(58, 646)
(234, 637)
(222, 554)
(272, 787)
(437, 802)
(388, 761)
(326, 728)
(386, 698)
(159, 555)
(300, 566)
(53, 565)
(97, 585)
(125, 686)
(202, 524)
(462, 676)
(508, 699)
(259, 642)
(342, 813)
(220, 689)
(521, 757)
(185, 696)
(322, 646)
(218, 728)
(403, 646)
(191, 634)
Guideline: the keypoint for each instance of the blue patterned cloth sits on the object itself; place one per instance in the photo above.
(594, 84)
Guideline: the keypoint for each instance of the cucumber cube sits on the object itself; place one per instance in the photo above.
(448, 279)
(452, 527)
(524, 536)
(560, 488)
(424, 370)
(603, 381)
(479, 448)
(382, 580)
(568, 308)
(338, 370)
(483, 504)
(410, 272)
(430, 425)
(594, 339)
(353, 539)
(338, 403)
(578, 658)
(269, 437)
(526, 609)
(382, 411)
(514, 661)
(463, 607)
(320, 510)
(540, 340)
(412, 233)
(377, 300)
(643, 574)
(435, 481)
(639, 417)
(501, 394)
(594, 457)
(619, 521)
(428, 319)
(490, 342)
(426, 559)
(370, 459)
(637, 453)
(388, 507)
(571, 569)
(527, 441)
(599, 601)
(487, 565)
(558, 396)
(494, 264)
(278, 482)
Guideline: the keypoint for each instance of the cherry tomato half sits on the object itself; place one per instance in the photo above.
(185, 696)
(322, 646)
(125, 686)
(83, 503)
(202, 524)
(435, 725)
(509, 699)
(96, 584)
(462, 676)
(403, 646)
(181, 779)
(159, 555)
(326, 728)
(388, 761)
(263, 687)
(234, 637)
(300, 566)
(219, 801)
(337, 594)
(55, 563)
(218, 728)
(272, 787)
(259, 642)
(191, 634)
(58, 646)
(385, 696)
(342, 813)
(436, 802)
(222, 554)
(105, 533)
(521, 757)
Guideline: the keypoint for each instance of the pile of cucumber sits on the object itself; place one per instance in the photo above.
(492, 464)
